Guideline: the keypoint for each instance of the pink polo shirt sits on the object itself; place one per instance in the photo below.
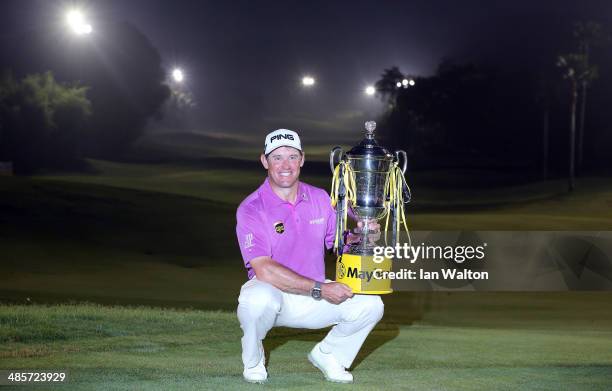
(294, 235)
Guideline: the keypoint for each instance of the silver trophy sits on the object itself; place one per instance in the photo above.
(370, 166)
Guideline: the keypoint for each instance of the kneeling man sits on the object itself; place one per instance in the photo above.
(283, 229)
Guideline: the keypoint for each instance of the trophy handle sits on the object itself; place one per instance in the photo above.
(332, 157)
(404, 160)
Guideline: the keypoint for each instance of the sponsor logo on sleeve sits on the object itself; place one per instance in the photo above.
(248, 240)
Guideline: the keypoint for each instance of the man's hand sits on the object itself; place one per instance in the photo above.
(373, 232)
(373, 225)
(335, 292)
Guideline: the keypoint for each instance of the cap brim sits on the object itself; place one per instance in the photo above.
(280, 146)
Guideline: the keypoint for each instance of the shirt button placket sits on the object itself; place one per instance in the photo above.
(296, 218)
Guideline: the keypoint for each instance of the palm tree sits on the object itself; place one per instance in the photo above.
(544, 99)
(576, 70)
(588, 34)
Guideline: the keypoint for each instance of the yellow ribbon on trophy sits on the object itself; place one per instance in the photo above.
(394, 196)
(348, 180)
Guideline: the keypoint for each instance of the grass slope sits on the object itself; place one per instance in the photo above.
(164, 234)
(442, 199)
(72, 241)
(459, 341)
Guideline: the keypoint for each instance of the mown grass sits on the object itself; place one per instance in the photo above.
(435, 341)
(73, 241)
(163, 236)
(441, 199)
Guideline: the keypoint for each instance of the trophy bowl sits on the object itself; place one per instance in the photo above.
(371, 173)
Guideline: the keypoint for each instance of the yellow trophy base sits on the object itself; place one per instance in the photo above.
(359, 271)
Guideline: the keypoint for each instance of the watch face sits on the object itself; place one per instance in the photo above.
(316, 293)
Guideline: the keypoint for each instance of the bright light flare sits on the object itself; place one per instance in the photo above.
(177, 75)
(370, 90)
(405, 83)
(308, 81)
(77, 23)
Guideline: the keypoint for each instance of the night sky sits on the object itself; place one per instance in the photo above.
(244, 59)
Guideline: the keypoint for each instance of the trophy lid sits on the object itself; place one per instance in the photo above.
(369, 145)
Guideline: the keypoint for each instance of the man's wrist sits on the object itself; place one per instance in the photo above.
(315, 292)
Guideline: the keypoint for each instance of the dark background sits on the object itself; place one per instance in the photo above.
(244, 61)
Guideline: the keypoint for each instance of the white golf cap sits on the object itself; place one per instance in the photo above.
(282, 138)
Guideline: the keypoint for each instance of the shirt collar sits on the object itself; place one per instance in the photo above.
(271, 198)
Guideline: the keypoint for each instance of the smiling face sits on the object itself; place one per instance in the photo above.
(283, 165)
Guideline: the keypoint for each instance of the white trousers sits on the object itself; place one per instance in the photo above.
(262, 306)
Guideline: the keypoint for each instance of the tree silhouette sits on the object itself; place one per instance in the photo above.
(463, 115)
(41, 122)
(386, 86)
(123, 70)
(127, 88)
(588, 34)
(576, 70)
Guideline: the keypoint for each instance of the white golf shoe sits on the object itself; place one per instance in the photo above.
(258, 373)
(332, 370)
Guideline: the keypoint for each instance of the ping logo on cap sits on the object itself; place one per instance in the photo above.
(281, 136)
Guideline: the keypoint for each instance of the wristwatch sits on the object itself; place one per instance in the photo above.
(315, 292)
